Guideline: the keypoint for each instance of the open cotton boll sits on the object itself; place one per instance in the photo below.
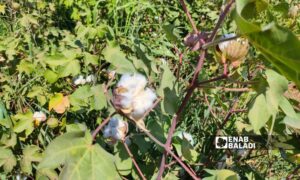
(107, 131)
(132, 83)
(39, 116)
(143, 102)
(79, 80)
(117, 134)
(90, 78)
(116, 123)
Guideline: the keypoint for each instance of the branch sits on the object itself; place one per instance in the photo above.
(168, 150)
(227, 89)
(220, 21)
(212, 80)
(96, 131)
(133, 160)
(189, 16)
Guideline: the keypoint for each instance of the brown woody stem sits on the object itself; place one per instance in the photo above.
(133, 160)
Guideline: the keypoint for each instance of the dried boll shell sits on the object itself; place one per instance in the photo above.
(233, 51)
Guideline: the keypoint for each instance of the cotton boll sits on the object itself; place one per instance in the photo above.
(79, 80)
(113, 122)
(39, 116)
(116, 134)
(132, 83)
(90, 78)
(142, 103)
(107, 132)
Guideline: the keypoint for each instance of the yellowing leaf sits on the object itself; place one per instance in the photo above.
(59, 103)
(2, 9)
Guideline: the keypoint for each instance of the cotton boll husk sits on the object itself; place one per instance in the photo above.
(223, 45)
(132, 83)
(143, 102)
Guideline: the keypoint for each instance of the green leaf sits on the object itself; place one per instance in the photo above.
(287, 108)
(26, 67)
(24, 123)
(123, 161)
(7, 159)
(167, 91)
(99, 98)
(274, 94)
(117, 58)
(50, 76)
(80, 98)
(80, 158)
(222, 174)
(294, 122)
(172, 34)
(30, 154)
(279, 45)
(70, 68)
(61, 148)
(4, 118)
(56, 60)
(90, 59)
(259, 113)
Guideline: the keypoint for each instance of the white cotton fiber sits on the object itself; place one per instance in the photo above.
(132, 83)
(142, 103)
(107, 131)
(79, 80)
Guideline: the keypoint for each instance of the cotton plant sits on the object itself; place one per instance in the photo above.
(133, 98)
(116, 130)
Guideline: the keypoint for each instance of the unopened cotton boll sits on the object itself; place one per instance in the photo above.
(39, 116)
(90, 78)
(142, 103)
(79, 80)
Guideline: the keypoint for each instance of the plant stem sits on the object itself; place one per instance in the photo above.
(96, 131)
(220, 21)
(189, 16)
(133, 160)
(168, 150)
(212, 80)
